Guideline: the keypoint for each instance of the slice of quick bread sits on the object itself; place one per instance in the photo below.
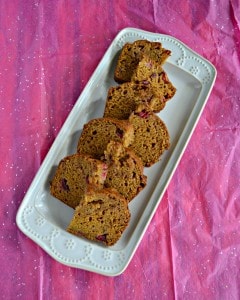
(97, 133)
(151, 137)
(74, 173)
(150, 73)
(125, 170)
(123, 99)
(102, 216)
(132, 53)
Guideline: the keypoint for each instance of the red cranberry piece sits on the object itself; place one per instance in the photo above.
(104, 172)
(148, 64)
(148, 99)
(166, 97)
(80, 233)
(153, 75)
(164, 77)
(64, 184)
(143, 114)
(102, 237)
(119, 133)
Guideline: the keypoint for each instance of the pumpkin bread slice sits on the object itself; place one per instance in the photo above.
(97, 133)
(132, 53)
(151, 137)
(102, 216)
(125, 170)
(73, 174)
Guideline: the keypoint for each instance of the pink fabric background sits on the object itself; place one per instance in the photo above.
(48, 51)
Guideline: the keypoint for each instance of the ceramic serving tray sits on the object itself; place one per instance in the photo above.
(44, 219)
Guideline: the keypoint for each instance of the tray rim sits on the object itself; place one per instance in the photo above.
(130, 249)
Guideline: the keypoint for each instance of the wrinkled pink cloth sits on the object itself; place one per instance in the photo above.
(48, 51)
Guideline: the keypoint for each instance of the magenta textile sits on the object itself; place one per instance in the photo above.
(48, 51)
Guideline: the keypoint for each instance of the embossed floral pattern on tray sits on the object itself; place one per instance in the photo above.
(80, 253)
(66, 248)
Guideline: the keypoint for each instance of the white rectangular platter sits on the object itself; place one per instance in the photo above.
(44, 219)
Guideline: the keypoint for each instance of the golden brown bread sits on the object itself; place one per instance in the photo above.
(132, 53)
(102, 216)
(123, 99)
(151, 137)
(97, 133)
(74, 173)
(125, 170)
(149, 72)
